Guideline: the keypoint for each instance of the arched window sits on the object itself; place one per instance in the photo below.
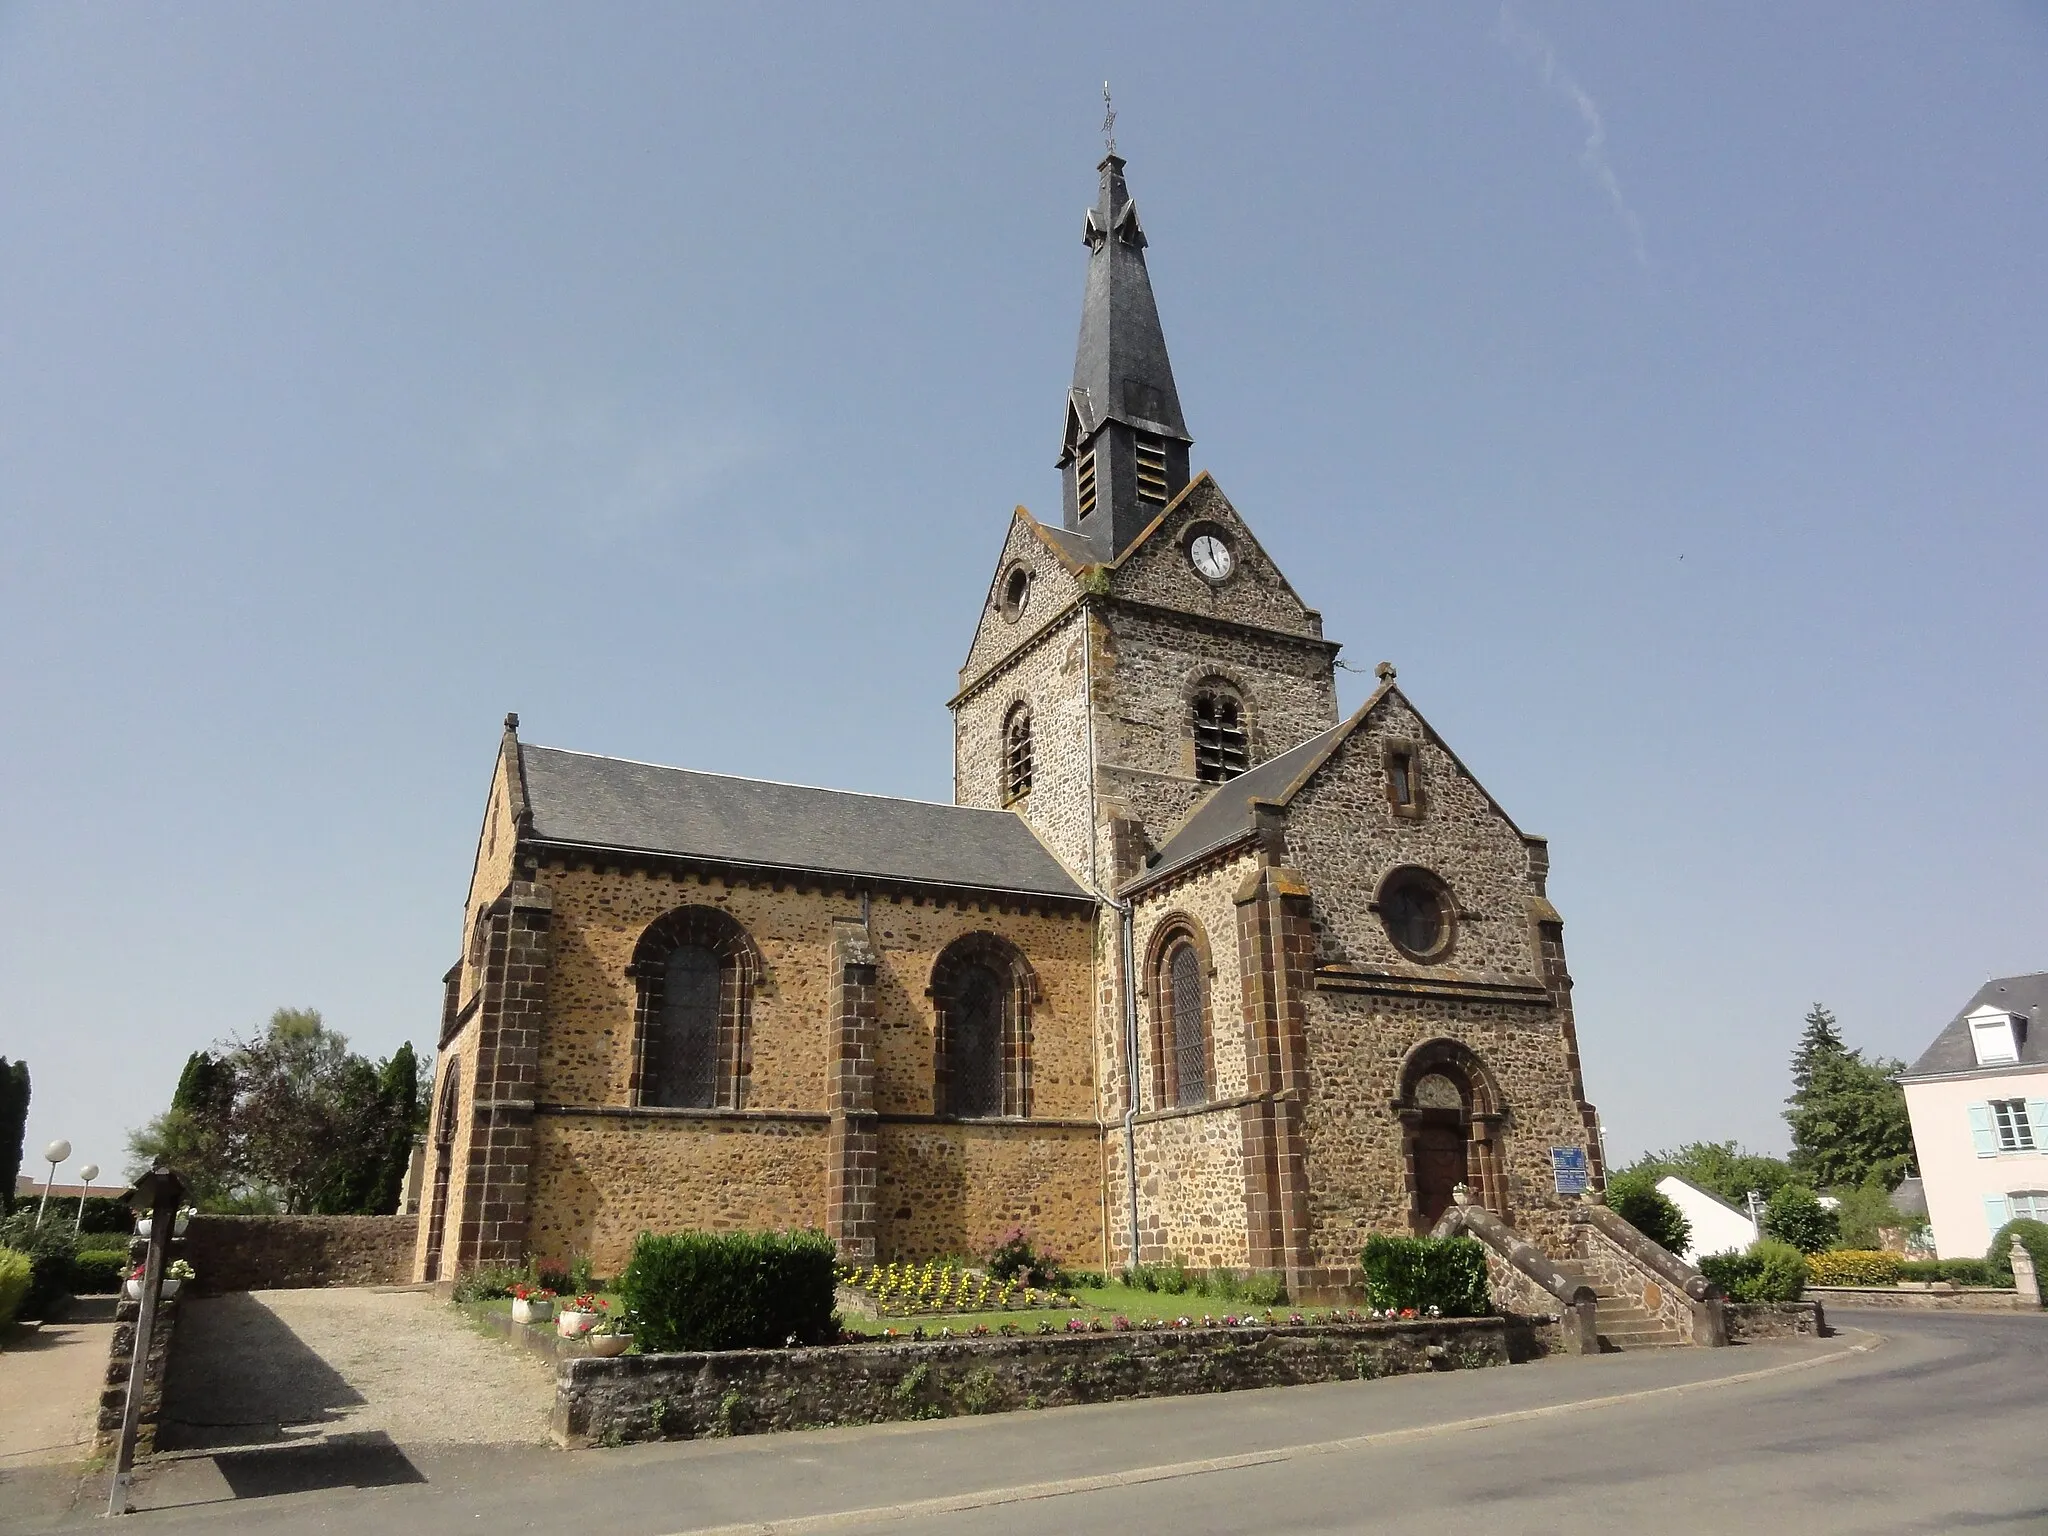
(696, 969)
(982, 991)
(1017, 753)
(1182, 1071)
(444, 1166)
(1222, 749)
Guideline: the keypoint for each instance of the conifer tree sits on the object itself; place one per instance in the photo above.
(13, 1126)
(1822, 1041)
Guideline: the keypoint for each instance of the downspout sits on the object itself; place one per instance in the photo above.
(1127, 942)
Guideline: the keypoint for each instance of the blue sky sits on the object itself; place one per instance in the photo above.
(1662, 390)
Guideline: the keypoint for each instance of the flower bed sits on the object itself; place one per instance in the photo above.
(736, 1392)
(934, 1288)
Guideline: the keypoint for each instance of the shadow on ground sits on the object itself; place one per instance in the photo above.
(240, 1377)
(367, 1460)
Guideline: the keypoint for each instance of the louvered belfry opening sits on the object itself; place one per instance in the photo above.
(1222, 750)
(1017, 754)
(1190, 1033)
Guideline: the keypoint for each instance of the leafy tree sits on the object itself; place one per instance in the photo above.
(1635, 1198)
(1720, 1167)
(1821, 1041)
(2033, 1236)
(1849, 1124)
(1796, 1216)
(1864, 1212)
(290, 1120)
(13, 1126)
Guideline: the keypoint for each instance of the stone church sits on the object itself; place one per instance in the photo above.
(1194, 967)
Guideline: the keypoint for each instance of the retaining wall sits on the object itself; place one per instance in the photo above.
(282, 1253)
(739, 1392)
(1749, 1321)
(1920, 1300)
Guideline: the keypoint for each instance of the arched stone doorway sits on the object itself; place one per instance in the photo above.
(1450, 1113)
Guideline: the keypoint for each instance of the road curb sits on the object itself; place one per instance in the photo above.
(1023, 1493)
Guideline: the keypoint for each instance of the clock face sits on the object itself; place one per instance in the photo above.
(1211, 556)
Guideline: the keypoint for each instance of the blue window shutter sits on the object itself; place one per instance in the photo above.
(2037, 1118)
(1994, 1212)
(1981, 1132)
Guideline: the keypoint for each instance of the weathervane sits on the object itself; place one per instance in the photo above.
(1108, 120)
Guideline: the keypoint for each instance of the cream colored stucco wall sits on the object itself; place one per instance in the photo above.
(1955, 1177)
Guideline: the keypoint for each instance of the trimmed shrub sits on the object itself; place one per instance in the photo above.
(98, 1273)
(730, 1290)
(2033, 1236)
(16, 1273)
(1852, 1266)
(1795, 1215)
(1417, 1273)
(1015, 1258)
(1769, 1271)
(1955, 1271)
(104, 1214)
(1635, 1198)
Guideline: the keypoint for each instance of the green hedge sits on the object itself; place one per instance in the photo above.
(1955, 1271)
(97, 1274)
(1770, 1271)
(1417, 1273)
(730, 1290)
(15, 1275)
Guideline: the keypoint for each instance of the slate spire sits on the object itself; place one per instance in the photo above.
(1124, 451)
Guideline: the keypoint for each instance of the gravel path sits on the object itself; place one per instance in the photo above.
(259, 1367)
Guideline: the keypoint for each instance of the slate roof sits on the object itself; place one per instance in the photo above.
(1952, 1052)
(1227, 813)
(609, 802)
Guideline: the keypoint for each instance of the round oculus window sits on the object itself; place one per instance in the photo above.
(1016, 593)
(1211, 557)
(1417, 913)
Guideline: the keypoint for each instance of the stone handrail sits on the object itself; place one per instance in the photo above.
(1525, 1256)
(1652, 1256)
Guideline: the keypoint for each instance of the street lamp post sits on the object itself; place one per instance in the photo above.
(54, 1153)
(86, 1175)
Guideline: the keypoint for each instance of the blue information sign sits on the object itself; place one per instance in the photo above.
(1568, 1166)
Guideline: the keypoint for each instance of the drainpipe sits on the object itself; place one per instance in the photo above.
(1125, 936)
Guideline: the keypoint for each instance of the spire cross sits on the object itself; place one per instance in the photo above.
(1108, 120)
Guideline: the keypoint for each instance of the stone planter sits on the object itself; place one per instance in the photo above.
(536, 1311)
(609, 1346)
(574, 1325)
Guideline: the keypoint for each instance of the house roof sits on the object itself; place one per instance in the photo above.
(1951, 1050)
(581, 799)
(1910, 1198)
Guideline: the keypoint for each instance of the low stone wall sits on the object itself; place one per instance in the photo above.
(1920, 1300)
(742, 1392)
(1749, 1321)
(120, 1357)
(282, 1253)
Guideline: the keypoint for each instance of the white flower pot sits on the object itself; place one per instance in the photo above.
(532, 1311)
(144, 1224)
(574, 1325)
(132, 1289)
(609, 1346)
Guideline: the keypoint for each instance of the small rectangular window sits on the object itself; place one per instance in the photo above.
(1401, 776)
(1084, 485)
(2030, 1205)
(2015, 1129)
(1151, 469)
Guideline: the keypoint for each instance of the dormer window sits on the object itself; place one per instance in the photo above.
(1151, 468)
(1084, 485)
(1995, 1036)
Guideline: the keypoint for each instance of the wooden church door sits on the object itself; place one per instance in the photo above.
(1439, 1163)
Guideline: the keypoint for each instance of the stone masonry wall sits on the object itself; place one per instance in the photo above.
(955, 1186)
(113, 1403)
(601, 1180)
(277, 1253)
(1191, 1207)
(688, 1396)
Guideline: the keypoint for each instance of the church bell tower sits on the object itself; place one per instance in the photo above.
(1124, 450)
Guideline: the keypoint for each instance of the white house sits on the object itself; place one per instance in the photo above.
(1978, 1097)
(1717, 1226)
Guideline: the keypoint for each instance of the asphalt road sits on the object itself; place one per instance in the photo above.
(1929, 1423)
